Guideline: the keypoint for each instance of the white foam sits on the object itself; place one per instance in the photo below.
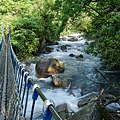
(58, 96)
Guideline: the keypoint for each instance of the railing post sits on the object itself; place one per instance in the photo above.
(47, 113)
(34, 97)
(21, 82)
(1, 43)
(28, 87)
(25, 77)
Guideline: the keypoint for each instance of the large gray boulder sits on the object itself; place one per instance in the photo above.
(86, 105)
(62, 110)
(45, 67)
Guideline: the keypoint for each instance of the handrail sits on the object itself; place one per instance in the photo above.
(2, 40)
(51, 108)
(22, 75)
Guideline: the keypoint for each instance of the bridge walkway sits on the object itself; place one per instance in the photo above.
(7, 82)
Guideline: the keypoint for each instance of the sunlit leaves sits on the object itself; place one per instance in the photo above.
(36, 20)
(106, 31)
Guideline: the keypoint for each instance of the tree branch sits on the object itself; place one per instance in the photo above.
(96, 81)
(103, 75)
(90, 7)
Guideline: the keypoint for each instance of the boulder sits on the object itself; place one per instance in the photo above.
(86, 104)
(64, 48)
(79, 56)
(49, 49)
(45, 67)
(87, 99)
(62, 110)
(61, 80)
(71, 55)
(84, 113)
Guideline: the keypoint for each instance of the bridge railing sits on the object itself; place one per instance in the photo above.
(22, 77)
(2, 39)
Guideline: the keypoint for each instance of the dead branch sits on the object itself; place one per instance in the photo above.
(96, 81)
(105, 77)
(100, 95)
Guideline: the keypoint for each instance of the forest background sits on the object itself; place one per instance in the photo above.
(35, 21)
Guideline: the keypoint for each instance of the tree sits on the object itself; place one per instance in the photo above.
(105, 29)
(100, 19)
(32, 21)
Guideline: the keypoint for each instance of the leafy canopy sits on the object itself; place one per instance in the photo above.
(35, 21)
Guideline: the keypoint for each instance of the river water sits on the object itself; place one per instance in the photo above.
(81, 71)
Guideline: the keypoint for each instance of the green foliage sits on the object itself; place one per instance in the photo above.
(10, 10)
(80, 24)
(66, 11)
(101, 22)
(25, 38)
(28, 34)
(105, 29)
(34, 21)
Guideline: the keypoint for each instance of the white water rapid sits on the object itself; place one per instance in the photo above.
(79, 70)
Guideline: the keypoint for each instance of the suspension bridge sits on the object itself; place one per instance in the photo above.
(15, 84)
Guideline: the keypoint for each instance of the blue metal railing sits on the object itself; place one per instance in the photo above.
(2, 40)
(22, 77)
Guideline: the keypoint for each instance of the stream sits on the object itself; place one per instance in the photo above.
(80, 70)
